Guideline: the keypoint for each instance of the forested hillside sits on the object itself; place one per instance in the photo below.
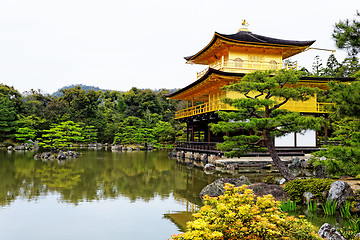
(88, 115)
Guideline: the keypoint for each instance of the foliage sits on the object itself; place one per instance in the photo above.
(287, 206)
(340, 160)
(270, 180)
(329, 207)
(260, 113)
(61, 136)
(347, 35)
(316, 186)
(25, 133)
(345, 210)
(7, 118)
(236, 215)
(312, 206)
(105, 113)
(347, 68)
(345, 97)
(351, 228)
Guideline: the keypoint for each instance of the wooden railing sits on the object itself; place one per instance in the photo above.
(325, 107)
(203, 108)
(197, 145)
(218, 105)
(236, 66)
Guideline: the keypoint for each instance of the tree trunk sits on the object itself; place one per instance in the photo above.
(284, 170)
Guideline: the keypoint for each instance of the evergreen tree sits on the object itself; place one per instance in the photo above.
(260, 116)
(347, 35)
(61, 136)
(7, 118)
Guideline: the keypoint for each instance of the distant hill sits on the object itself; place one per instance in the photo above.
(85, 87)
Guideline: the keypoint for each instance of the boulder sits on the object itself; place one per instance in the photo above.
(340, 191)
(320, 172)
(9, 148)
(205, 159)
(216, 188)
(260, 189)
(329, 232)
(295, 162)
(209, 167)
(19, 147)
(308, 196)
(61, 156)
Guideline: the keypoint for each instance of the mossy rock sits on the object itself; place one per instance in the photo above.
(316, 186)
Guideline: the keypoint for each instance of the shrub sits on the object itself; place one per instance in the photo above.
(236, 215)
(340, 160)
(316, 186)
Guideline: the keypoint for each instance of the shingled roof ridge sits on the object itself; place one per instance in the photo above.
(253, 36)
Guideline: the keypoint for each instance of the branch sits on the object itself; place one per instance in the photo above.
(257, 143)
(278, 105)
(261, 93)
(252, 112)
(245, 94)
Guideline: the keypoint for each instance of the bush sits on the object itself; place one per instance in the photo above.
(236, 215)
(340, 160)
(316, 186)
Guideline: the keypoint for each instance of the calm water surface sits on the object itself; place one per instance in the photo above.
(102, 194)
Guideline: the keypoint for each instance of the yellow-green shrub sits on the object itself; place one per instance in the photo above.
(316, 186)
(236, 215)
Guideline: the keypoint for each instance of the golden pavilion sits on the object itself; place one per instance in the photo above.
(227, 59)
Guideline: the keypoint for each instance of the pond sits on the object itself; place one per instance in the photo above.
(102, 194)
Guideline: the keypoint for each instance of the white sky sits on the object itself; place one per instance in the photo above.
(118, 44)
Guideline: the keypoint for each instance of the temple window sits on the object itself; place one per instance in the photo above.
(273, 65)
(238, 62)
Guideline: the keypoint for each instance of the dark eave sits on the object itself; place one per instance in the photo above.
(246, 37)
(204, 77)
(231, 74)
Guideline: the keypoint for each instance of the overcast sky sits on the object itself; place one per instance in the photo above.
(117, 44)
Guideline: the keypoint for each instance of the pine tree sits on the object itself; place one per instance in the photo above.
(260, 116)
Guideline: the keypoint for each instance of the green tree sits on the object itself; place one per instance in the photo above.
(259, 113)
(89, 134)
(7, 118)
(25, 133)
(347, 35)
(344, 158)
(165, 133)
(332, 66)
(317, 67)
(61, 136)
(82, 105)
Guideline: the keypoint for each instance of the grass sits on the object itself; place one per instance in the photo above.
(345, 210)
(288, 206)
(312, 206)
(329, 207)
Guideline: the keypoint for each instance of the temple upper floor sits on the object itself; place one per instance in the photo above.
(245, 52)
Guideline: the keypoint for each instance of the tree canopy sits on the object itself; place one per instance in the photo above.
(347, 35)
(260, 117)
